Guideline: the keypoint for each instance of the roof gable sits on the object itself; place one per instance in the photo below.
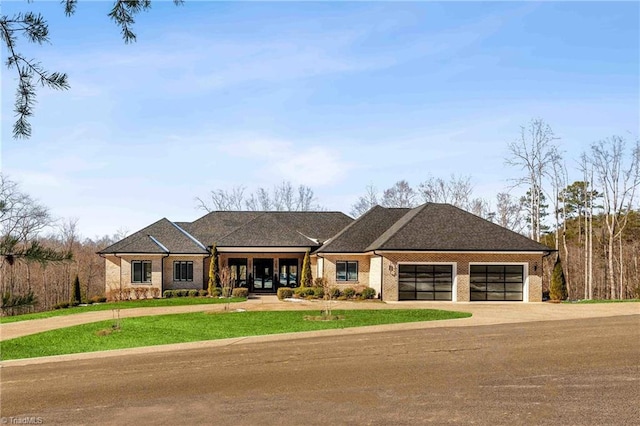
(443, 227)
(160, 237)
(361, 233)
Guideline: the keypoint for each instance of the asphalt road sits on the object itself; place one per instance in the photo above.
(577, 372)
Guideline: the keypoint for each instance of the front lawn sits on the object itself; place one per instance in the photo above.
(144, 303)
(180, 328)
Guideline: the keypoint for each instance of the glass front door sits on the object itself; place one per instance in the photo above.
(263, 275)
(239, 271)
(288, 273)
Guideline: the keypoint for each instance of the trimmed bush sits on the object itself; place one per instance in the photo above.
(285, 293)
(155, 292)
(334, 292)
(303, 292)
(320, 282)
(98, 299)
(182, 293)
(61, 305)
(216, 292)
(169, 294)
(368, 293)
(558, 289)
(226, 291)
(240, 292)
(349, 292)
(202, 293)
(318, 292)
(193, 293)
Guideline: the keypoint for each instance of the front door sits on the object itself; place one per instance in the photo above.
(288, 272)
(263, 276)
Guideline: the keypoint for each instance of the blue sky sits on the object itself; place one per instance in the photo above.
(334, 95)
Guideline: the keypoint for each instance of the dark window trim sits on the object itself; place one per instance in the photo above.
(180, 278)
(346, 270)
(142, 274)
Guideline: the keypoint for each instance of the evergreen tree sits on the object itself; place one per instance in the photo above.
(558, 290)
(75, 293)
(213, 270)
(306, 279)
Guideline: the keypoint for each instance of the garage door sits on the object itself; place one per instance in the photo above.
(496, 282)
(425, 282)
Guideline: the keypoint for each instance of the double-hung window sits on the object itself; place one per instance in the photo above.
(141, 271)
(347, 270)
(183, 271)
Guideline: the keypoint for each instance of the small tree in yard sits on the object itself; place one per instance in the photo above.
(558, 290)
(227, 282)
(213, 270)
(306, 279)
(75, 292)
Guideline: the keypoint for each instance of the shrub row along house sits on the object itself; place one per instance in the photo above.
(431, 252)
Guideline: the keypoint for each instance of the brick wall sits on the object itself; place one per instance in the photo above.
(462, 261)
(198, 273)
(329, 269)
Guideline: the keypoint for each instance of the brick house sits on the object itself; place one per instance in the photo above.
(431, 252)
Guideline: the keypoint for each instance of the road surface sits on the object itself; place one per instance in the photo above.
(579, 372)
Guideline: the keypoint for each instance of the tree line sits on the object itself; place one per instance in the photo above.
(593, 222)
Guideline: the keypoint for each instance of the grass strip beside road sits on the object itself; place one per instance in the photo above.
(144, 303)
(192, 327)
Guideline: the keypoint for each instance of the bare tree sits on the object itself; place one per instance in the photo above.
(533, 152)
(283, 197)
(618, 182)
(456, 191)
(399, 195)
(222, 200)
(509, 212)
(365, 202)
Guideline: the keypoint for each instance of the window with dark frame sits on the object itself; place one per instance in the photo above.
(182, 270)
(141, 271)
(347, 270)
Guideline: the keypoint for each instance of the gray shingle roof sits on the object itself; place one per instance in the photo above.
(443, 227)
(160, 237)
(234, 229)
(356, 237)
(429, 227)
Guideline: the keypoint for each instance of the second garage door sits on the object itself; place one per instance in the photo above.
(425, 282)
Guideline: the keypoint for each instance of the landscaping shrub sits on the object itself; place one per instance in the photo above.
(558, 289)
(320, 282)
(334, 292)
(202, 293)
(169, 294)
(318, 292)
(155, 292)
(216, 292)
(300, 291)
(75, 291)
(226, 291)
(193, 293)
(98, 299)
(368, 293)
(74, 303)
(240, 292)
(61, 305)
(349, 292)
(182, 293)
(285, 293)
(140, 292)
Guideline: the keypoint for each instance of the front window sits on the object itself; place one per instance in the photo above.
(182, 271)
(346, 271)
(141, 271)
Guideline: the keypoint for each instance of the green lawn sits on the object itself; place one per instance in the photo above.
(179, 328)
(145, 303)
